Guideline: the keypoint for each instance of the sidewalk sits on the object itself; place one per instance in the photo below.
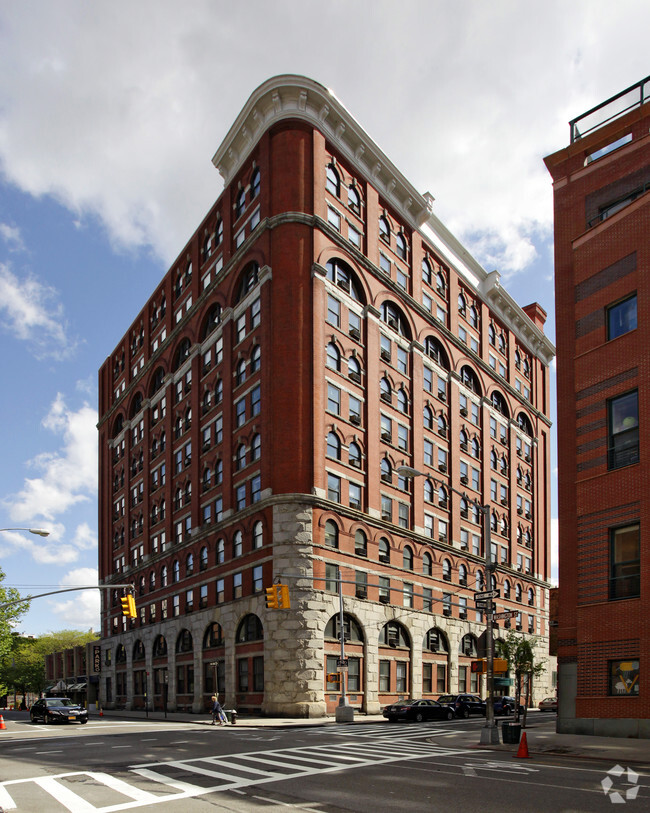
(541, 738)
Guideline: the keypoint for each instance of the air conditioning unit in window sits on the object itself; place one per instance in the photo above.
(442, 537)
(464, 412)
(391, 322)
(361, 592)
(446, 577)
(446, 612)
(355, 377)
(384, 599)
(463, 446)
(384, 354)
(443, 468)
(442, 396)
(355, 419)
(462, 615)
(520, 510)
(504, 501)
(386, 436)
(355, 333)
(464, 479)
(527, 458)
(385, 396)
(527, 514)
(393, 641)
(344, 284)
(356, 463)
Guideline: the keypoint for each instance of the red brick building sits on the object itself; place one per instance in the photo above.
(602, 245)
(320, 329)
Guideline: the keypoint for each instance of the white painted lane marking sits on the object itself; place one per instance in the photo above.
(65, 796)
(137, 794)
(6, 802)
(185, 787)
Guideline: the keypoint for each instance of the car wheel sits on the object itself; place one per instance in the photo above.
(419, 717)
(46, 719)
(83, 721)
(450, 715)
(465, 714)
(392, 719)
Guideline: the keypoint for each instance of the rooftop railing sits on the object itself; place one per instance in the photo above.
(613, 108)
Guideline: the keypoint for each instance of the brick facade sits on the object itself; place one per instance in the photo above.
(602, 247)
(320, 329)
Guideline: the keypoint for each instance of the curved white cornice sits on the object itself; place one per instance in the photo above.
(296, 97)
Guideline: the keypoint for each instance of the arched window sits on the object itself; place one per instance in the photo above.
(331, 534)
(446, 570)
(401, 246)
(384, 230)
(203, 558)
(499, 403)
(184, 641)
(152, 581)
(384, 550)
(354, 369)
(237, 544)
(427, 564)
(407, 558)
(256, 447)
(386, 470)
(395, 319)
(249, 629)
(258, 535)
(241, 456)
(463, 440)
(506, 589)
(464, 507)
(402, 401)
(360, 543)
(176, 571)
(333, 357)
(441, 284)
(394, 634)
(213, 636)
(354, 455)
(163, 576)
(240, 203)
(342, 275)
(189, 565)
(428, 490)
(256, 359)
(182, 353)
(332, 181)
(473, 316)
(138, 651)
(492, 335)
(240, 374)
(434, 349)
(354, 200)
(442, 426)
(219, 231)
(159, 647)
(442, 497)
(256, 183)
(221, 551)
(385, 390)
(462, 575)
(352, 631)
(524, 424)
(247, 281)
(480, 580)
(531, 597)
(475, 448)
(517, 592)
(428, 417)
(468, 646)
(435, 640)
(462, 305)
(333, 446)
(469, 379)
(426, 272)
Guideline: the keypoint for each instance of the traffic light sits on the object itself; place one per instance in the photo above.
(271, 598)
(128, 606)
(479, 667)
(333, 677)
(283, 596)
(500, 665)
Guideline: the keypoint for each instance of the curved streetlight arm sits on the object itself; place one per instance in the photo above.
(68, 590)
(37, 531)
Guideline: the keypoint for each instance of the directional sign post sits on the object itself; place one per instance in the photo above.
(487, 594)
(505, 614)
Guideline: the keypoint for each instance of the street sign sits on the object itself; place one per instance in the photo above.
(481, 605)
(342, 663)
(506, 614)
(487, 594)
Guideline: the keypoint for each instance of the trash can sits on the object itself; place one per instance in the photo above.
(231, 716)
(511, 733)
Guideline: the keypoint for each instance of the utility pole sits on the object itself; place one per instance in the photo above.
(344, 712)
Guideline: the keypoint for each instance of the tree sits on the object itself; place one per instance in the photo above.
(64, 639)
(9, 617)
(23, 667)
(519, 651)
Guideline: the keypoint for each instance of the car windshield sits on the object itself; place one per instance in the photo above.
(60, 701)
(447, 698)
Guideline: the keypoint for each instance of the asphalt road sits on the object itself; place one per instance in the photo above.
(368, 768)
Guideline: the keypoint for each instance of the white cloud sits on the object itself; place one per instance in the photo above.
(475, 94)
(32, 314)
(68, 476)
(11, 236)
(79, 610)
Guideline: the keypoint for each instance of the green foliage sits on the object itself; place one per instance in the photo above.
(9, 617)
(519, 651)
(64, 639)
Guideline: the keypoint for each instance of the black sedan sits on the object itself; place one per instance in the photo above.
(57, 710)
(417, 710)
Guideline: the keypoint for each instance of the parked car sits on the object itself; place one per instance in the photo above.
(548, 704)
(463, 704)
(418, 710)
(57, 710)
(506, 705)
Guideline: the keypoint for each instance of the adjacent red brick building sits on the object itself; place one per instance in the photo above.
(602, 256)
(320, 329)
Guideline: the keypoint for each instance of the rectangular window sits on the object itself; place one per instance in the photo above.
(354, 406)
(441, 678)
(331, 576)
(333, 399)
(384, 589)
(623, 430)
(240, 328)
(360, 584)
(255, 314)
(400, 677)
(384, 263)
(386, 508)
(240, 497)
(257, 579)
(240, 412)
(625, 562)
(428, 453)
(333, 488)
(384, 350)
(624, 678)
(403, 515)
(427, 600)
(237, 585)
(402, 360)
(407, 594)
(354, 236)
(621, 317)
(354, 325)
(333, 311)
(256, 488)
(462, 678)
(402, 437)
(384, 676)
(428, 379)
(242, 675)
(255, 400)
(334, 218)
(354, 496)
(258, 674)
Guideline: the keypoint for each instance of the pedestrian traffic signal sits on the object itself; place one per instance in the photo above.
(271, 598)
(128, 606)
(479, 667)
(283, 596)
(333, 677)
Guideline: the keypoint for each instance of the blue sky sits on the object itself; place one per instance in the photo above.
(109, 116)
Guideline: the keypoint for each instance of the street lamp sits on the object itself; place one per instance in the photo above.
(37, 531)
(489, 733)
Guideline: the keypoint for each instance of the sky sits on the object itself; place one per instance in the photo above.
(110, 114)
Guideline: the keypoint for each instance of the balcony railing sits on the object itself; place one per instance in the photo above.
(612, 108)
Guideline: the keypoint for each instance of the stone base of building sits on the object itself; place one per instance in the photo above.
(610, 727)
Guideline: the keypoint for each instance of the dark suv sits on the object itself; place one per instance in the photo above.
(463, 704)
(506, 705)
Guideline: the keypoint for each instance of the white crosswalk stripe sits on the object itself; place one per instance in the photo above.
(182, 779)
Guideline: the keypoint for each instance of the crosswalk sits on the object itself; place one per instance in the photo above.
(163, 782)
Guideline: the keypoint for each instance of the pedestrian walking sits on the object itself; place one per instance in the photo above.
(217, 712)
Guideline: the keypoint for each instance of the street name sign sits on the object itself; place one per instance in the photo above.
(487, 594)
(506, 614)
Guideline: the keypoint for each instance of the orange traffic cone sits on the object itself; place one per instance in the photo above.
(101, 712)
(522, 752)
(2, 723)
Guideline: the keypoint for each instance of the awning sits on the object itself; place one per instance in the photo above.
(76, 687)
